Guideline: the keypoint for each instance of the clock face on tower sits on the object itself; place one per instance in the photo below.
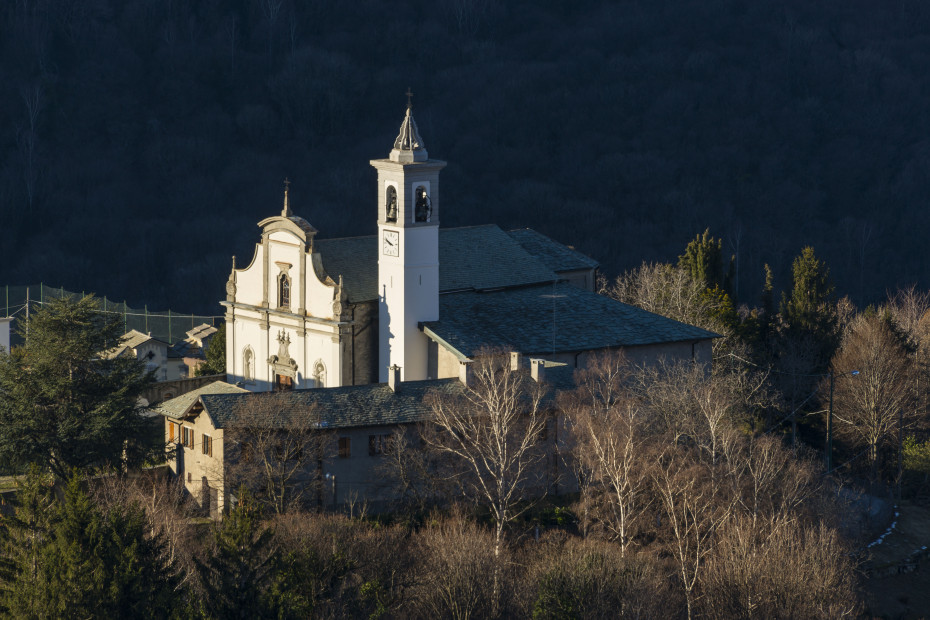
(391, 243)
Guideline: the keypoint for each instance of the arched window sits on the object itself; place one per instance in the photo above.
(423, 210)
(390, 204)
(319, 374)
(284, 291)
(247, 358)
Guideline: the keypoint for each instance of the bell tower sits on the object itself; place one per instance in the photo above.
(408, 251)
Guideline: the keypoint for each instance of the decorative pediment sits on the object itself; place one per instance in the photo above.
(282, 364)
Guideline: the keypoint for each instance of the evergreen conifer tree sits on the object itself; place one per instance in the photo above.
(215, 354)
(810, 311)
(703, 260)
(65, 403)
(236, 575)
(78, 562)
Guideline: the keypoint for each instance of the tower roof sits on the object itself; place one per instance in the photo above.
(408, 147)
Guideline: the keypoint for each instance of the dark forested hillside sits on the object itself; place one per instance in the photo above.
(141, 140)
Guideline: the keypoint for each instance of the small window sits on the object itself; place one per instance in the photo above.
(187, 435)
(207, 445)
(171, 432)
(283, 383)
(345, 447)
(284, 291)
(379, 444)
(190, 478)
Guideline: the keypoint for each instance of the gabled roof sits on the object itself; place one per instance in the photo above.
(201, 331)
(355, 406)
(470, 258)
(134, 338)
(554, 255)
(179, 406)
(351, 406)
(185, 348)
(557, 318)
(129, 341)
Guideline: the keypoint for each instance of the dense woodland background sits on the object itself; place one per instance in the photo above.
(141, 140)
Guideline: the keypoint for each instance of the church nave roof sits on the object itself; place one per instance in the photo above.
(540, 320)
(470, 258)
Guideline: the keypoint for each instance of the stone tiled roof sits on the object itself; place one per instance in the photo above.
(353, 406)
(180, 405)
(201, 331)
(545, 319)
(554, 255)
(130, 340)
(134, 338)
(185, 348)
(470, 258)
(340, 407)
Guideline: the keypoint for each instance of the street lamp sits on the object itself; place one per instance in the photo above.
(829, 451)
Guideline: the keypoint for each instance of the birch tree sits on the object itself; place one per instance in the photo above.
(607, 425)
(493, 429)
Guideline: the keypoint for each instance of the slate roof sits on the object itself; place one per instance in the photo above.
(351, 406)
(185, 348)
(556, 318)
(470, 258)
(130, 340)
(201, 331)
(180, 405)
(552, 254)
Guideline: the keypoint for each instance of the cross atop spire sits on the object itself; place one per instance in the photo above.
(409, 99)
(286, 211)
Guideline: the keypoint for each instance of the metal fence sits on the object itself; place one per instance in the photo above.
(170, 326)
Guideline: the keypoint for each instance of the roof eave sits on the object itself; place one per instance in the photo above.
(436, 338)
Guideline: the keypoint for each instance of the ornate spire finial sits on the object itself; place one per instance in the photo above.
(286, 211)
(408, 147)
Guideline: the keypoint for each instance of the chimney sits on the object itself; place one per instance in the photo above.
(465, 373)
(394, 378)
(538, 370)
(516, 360)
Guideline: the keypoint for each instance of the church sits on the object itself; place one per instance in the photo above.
(312, 313)
(356, 332)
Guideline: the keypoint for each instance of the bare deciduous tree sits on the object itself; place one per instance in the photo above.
(670, 291)
(494, 428)
(457, 557)
(607, 425)
(869, 406)
(779, 568)
(277, 448)
(693, 511)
